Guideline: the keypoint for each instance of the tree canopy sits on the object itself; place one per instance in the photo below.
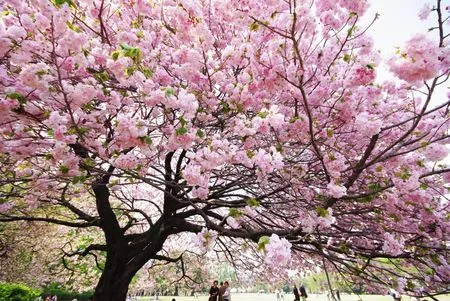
(256, 121)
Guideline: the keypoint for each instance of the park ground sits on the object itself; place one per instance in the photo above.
(289, 297)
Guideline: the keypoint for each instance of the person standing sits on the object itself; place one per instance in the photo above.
(214, 291)
(303, 293)
(222, 289)
(395, 295)
(227, 294)
(296, 294)
(338, 294)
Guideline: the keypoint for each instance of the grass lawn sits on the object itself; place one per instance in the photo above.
(289, 297)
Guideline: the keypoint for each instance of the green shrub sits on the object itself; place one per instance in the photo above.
(17, 292)
(63, 293)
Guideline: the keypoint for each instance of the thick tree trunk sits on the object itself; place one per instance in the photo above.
(111, 288)
(113, 284)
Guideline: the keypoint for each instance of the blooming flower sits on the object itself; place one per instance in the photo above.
(418, 60)
(205, 239)
(278, 251)
(336, 191)
(392, 246)
(425, 11)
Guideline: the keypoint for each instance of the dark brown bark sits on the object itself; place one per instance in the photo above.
(113, 284)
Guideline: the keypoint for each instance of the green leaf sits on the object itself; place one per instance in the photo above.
(169, 92)
(424, 144)
(132, 52)
(254, 26)
(330, 133)
(19, 97)
(423, 186)
(85, 52)
(89, 162)
(64, 169)
(253, 202)
(322, 212)
(102, 76)
(233, 212)
(182, 121)
(374, 186)
(147, 72)
(59, 3)
(225, 107)
(130, 70)
(344, 247)
(82, 130)
(148, 140)
(262, 242)
(350, 31)
(410, 285)
(200, 133)
(181, 131)
(88, 107)
(263, 114)
(115, 55)
(73, 27)
(78, 179)
(347, 58)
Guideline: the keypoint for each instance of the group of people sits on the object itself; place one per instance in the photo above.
(48, 298)
(300, 293)
(221, 293)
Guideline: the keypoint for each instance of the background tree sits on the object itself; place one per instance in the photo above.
(42, 254)
(243, 119)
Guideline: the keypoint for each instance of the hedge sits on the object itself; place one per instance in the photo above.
(18, 292)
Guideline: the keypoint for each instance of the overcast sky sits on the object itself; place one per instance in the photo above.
(397, 23)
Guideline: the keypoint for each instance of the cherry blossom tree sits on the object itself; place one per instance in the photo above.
(233, 120)
(39, 254)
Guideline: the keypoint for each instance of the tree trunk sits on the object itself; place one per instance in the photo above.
(114, 282)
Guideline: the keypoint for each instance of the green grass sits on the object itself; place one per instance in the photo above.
(289, 297)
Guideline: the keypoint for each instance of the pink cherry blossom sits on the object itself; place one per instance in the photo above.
(417, 61)
(335, 190)
(425, 11)
(391, 245)
(205, 239)
(233, 222)
(278, 251)
(436, 152)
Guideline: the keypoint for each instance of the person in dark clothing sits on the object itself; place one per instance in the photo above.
(214, 291)
(338, 294)
(296, 294)
(303, 293)
(222, 289)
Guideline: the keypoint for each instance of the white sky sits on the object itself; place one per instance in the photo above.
(397, 23)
